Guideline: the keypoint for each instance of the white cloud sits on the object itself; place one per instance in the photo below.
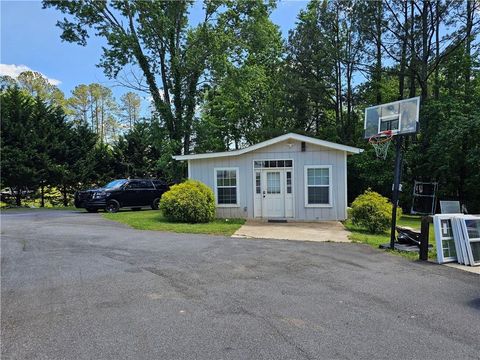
(13, 71)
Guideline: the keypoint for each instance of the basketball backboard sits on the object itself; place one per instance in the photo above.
(401, 117)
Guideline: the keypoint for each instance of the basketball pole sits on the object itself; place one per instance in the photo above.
(396, 187)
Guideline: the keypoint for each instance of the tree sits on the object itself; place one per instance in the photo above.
(79, 104)
(130, 108)
(245, 103)
(19, 170)
(155, 37)
(94, 104)
(6, 82)
(134, 153)
(38, 85)
(323, 56)
(78, 163)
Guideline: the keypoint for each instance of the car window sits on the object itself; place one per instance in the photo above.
(133, 185)
(159, 184)
(146, 184)
(115, 184)
(140, 184)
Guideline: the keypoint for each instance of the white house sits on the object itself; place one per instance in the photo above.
(288, 177)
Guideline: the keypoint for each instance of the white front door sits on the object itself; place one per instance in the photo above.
(273, 193)
(273, 187)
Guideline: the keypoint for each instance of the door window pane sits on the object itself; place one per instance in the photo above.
(289, 182)
(258, 188)
(258, 164)
(273, 183)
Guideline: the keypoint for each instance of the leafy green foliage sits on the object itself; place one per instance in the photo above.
(373, 212)
(135, 154)
(20, 171)
(190, 202)
(40, 149)
(230, 80)
(177, 59)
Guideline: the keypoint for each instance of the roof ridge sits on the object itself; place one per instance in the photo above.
(290, 135)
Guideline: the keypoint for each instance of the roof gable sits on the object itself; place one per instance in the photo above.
(289, 136)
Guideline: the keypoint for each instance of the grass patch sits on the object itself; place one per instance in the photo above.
(361, 235)
(154, 220)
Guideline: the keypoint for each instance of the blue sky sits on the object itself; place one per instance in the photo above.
(30, 40)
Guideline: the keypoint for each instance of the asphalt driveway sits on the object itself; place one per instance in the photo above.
(76, 286)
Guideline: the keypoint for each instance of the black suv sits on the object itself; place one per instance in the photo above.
(134, 193)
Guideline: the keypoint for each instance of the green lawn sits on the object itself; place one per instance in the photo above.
(362, 236)
(154, 220)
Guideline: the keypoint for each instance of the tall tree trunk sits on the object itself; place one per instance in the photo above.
(18, 197)
(65, 196)
(378, 52)
(413, 51)
(436, 80)
(403, 56)
(425, 51)
(42, 195)
(468, 50)
(338, 73)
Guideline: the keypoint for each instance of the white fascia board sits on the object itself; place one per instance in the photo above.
(290, 136)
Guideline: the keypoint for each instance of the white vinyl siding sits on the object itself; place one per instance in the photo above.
(203, 170)
(226, 187)
(318, 185)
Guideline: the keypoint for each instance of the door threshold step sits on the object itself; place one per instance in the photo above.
(277, 220)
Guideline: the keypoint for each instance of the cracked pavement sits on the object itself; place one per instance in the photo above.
(77, 286)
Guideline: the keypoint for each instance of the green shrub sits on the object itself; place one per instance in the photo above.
(190, 202)
(373, 212)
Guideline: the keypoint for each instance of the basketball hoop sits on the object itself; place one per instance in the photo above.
(381, 143)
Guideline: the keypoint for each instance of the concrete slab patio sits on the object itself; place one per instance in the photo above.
(472, 269)
(301, 231)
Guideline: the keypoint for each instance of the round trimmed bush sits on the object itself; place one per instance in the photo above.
(191, 201)
(373, 212)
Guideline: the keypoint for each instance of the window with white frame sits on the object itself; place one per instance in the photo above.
(318, 185)
(226, 186)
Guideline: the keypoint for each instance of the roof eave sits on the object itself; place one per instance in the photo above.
(348, 149)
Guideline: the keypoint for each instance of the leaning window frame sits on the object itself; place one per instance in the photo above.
(468, 239)
(437, 227)
(237, 186)
(330, 186)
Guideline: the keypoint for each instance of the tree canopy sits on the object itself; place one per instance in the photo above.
(230, 80)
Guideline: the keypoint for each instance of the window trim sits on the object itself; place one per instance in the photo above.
(330, 186)
(237, 204)
(439, 237)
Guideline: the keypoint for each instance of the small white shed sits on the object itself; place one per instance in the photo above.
(288, 177)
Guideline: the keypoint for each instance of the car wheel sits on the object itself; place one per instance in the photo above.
(91, 210)
(112, 206)
(155, 203)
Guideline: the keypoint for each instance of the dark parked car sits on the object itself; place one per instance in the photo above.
(134, 193)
